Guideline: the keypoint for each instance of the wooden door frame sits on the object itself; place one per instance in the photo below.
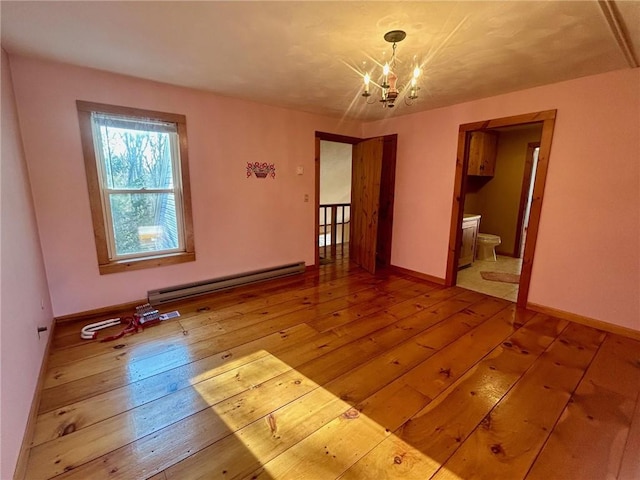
(329, 137)
(547, 118)
(524, 196)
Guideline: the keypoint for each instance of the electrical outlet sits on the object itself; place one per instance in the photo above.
(306, 198)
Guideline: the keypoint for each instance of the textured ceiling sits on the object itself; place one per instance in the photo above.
(307, 55)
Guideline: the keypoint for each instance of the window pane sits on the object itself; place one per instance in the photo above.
(145, 222)
(135, 158)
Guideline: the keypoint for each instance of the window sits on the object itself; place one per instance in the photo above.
(138, 180)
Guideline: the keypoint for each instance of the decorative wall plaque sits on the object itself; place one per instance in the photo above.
(261, 170)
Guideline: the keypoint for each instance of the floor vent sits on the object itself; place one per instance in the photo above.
(190, 290)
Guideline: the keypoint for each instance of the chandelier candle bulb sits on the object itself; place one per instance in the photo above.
(367, 79)
(385, 72)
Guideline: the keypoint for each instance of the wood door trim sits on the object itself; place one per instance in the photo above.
(524, 195)
(547, 118)
(334, 137)
(316, 203)
(455, 227)
(329, 137)
(509, 121)
(535, 211)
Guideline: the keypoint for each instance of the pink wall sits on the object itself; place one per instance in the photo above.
(240, 223)
(25, 296)
(587, 259)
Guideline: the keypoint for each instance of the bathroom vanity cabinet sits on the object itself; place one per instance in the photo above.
(470, 227)
(482, 154)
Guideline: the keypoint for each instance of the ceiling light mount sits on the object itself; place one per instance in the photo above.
(388, 85)
(395, 36)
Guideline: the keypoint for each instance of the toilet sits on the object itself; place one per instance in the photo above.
(486, 246)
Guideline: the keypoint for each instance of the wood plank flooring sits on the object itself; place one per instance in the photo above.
(340, 374)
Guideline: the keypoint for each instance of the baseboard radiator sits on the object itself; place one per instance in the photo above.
(190, 290)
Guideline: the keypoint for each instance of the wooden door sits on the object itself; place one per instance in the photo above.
(366, 172)
(387, 195)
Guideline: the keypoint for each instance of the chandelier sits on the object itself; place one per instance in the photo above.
(389, 88)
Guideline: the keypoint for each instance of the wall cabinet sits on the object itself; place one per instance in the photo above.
(482, 154)
(470, 227)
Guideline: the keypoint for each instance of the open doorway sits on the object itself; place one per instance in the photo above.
(323, 227)
(369, 220)
(335, 201)
(468, 166)
(496, 211)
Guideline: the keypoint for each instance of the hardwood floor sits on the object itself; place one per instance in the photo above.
(339, 374)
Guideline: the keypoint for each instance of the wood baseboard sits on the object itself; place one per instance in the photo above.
(23, 457)
(106, 312)
(589, 322)
(127, 309)
(418, 275)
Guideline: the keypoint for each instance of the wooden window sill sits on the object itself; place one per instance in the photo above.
(146, 262)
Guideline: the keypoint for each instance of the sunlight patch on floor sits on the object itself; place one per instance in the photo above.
(294, 428)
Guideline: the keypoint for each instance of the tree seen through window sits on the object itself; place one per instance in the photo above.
(138, 177)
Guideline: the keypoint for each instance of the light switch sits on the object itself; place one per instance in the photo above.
(299, 170)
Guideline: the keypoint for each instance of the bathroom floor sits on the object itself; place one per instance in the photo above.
(471, 279)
